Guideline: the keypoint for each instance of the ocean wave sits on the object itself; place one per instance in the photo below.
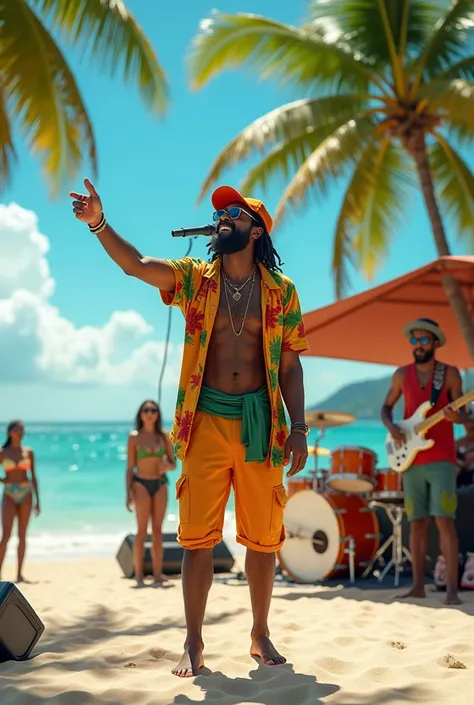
(54, 546)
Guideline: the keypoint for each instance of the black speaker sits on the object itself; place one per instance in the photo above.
(172, 556)
(20, 626)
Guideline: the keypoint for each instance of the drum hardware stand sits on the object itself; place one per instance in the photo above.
(399, 552)
(350, 551)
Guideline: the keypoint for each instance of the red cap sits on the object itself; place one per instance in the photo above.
(223, 195)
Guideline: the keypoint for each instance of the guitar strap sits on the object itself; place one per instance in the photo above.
(438, 380)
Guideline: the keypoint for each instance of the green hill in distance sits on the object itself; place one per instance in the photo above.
(364, 399)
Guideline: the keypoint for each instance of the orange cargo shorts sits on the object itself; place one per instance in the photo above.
(215, 462)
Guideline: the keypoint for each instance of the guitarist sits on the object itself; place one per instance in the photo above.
(430, 482)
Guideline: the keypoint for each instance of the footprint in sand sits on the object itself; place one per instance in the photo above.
(397, 645)
(157, 653)
(449, 661)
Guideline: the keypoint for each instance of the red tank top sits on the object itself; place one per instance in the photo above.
(442, 433)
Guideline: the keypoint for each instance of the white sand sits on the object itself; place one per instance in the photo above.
(110, 644)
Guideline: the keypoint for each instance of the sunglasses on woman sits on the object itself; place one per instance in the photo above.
(234, 212)
(149, 410)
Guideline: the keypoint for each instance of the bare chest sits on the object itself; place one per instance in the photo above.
(240, 314)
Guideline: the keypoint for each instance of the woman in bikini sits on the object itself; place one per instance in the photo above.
(149, 453)
(17, 501)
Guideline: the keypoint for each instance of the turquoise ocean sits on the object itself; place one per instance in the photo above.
(81, 475)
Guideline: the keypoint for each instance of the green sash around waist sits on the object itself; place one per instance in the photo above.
(253, 409)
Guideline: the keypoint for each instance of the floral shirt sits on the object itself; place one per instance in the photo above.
(197, 294)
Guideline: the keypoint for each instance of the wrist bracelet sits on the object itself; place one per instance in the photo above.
(101, 225)
(300, 427)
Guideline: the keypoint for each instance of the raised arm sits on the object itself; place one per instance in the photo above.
(393, 395)
(88, 209)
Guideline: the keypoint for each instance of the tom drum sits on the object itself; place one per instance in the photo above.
(352, 470)
(388, 486)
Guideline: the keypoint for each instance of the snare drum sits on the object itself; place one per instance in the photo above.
(298, 484)
(388, 486)
(318, 526)
(352, 470)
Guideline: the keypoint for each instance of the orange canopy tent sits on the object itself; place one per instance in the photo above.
(368, 327)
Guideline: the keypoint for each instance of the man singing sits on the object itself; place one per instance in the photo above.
(430, 483)
(243, 337)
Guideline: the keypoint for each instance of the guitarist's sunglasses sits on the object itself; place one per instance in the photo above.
(424, 340)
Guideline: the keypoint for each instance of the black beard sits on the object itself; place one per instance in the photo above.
(230, 243)
(426, 357)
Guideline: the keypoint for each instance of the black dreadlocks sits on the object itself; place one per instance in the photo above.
(264, 252)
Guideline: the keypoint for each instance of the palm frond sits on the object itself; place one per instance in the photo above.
(109, 32)
(448, 41)
(360, 22)
(289, 54)
(455, 184)
(328, 162)
(464, 68)
(371, 210)
(453, 99)
(283, 160)
(7, 148)
(42, 93)
(293, 121)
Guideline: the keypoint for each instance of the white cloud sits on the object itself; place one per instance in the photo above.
(38, 344)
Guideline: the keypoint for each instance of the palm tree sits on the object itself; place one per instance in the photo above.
(38, 89)
(389, 99)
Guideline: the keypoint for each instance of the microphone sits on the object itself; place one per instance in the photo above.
(199, 230)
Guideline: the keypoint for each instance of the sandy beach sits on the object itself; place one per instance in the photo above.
(107, 643)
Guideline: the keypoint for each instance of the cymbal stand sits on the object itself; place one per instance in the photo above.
(400, 554)
(319, 435)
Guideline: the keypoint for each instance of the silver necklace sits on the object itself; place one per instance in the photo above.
(236, 295)
(246, 308)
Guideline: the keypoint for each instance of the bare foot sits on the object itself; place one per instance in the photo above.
(21, 579)
(414, 592)
(160, 580)
(263, 649)
(452, 598)
(191, 662)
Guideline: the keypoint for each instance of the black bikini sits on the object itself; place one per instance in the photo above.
(155, 484)
(151, 485)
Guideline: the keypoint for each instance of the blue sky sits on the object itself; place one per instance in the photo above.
(79, 339)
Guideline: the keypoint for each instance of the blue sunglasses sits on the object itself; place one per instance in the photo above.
(424, 340)
(233, 213)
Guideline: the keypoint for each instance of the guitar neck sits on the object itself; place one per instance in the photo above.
(431, 421)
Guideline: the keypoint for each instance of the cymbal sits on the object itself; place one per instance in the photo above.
(321, 452)
(328, 419)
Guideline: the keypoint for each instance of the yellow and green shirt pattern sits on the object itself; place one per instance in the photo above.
(197, 293)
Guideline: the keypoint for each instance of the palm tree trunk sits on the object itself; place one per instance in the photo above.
(451, 286)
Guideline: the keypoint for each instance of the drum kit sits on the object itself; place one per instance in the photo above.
(332, 526)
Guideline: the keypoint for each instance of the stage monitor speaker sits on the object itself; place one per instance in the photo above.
(20, 626)
(172, 556)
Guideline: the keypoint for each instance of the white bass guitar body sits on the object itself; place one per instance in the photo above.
(401, 455)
